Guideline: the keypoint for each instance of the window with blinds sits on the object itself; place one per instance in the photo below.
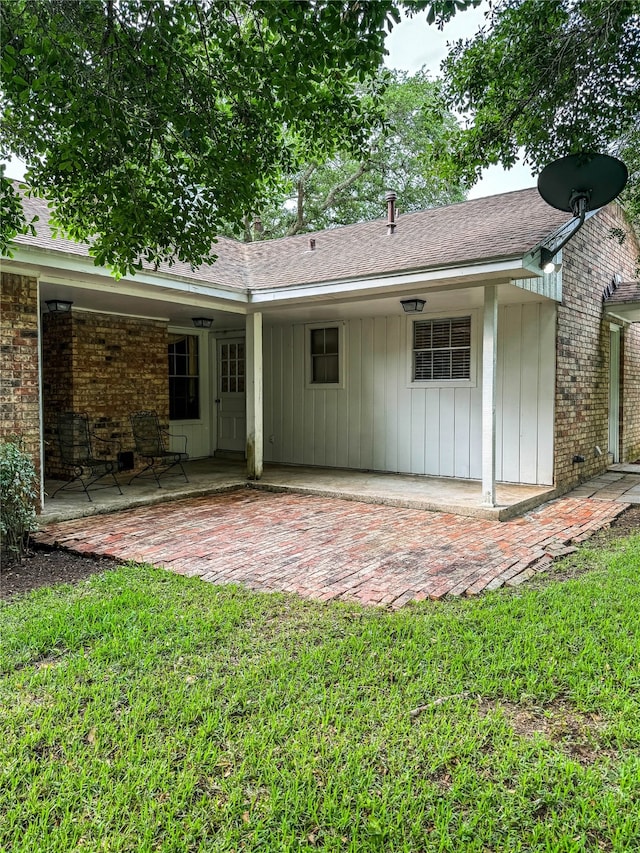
(442, 349)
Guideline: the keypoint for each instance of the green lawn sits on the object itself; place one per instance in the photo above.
(141, 711)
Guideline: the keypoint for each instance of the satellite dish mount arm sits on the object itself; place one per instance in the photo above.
(579, 205)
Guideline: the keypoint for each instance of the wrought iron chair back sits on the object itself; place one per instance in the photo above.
(152, 445)
(74, 438)
(147, 434)
(76, 443)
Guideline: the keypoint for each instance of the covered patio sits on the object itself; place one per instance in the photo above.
(216, 475)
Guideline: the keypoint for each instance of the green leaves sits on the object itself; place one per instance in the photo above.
(405, 153)
(146, 123)
(11, 215)
(552, 77)
(18, 483)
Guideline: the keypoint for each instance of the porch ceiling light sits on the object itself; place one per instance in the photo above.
(412, 306)
(202, 322)
(579, 183)
(58, 306)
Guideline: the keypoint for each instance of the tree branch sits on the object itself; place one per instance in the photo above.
(344, 185)
(299, 222)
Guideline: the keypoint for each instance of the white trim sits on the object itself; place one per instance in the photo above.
(340, 385)
(472, 381)
(619, 317)
(60, 262)
(613, 394)
(167, 287)
(16, 269)
(489, 376)
(463, 276)
(116, 314)
(254, 397)
(212, 359)
(40, 395)
(201, 335)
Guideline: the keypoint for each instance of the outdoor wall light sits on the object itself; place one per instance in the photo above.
(412, 306)
(58, 306)
(202, 322)
(547, 264)
(578, 183)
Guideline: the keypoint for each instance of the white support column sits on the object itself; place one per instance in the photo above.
(40, 394)
(489, 359)
(255, 438)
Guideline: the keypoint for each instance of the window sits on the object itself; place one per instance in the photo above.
(232, 365)
(325, 356)
(442, 349)
(184, 379)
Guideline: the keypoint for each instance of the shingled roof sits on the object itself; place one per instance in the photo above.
(498, 227)
(483, 230)
(229, 270)
(625, 292)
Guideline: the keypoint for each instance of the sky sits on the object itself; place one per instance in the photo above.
(412, 44)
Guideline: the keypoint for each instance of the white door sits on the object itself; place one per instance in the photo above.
(231, 401)
(614, 392)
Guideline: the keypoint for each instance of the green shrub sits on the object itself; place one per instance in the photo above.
(18, 495)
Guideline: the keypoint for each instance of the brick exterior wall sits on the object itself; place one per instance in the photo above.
(582, 370)
(107, 366)
(19, 389)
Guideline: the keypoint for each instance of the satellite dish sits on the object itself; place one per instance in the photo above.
(582, 182)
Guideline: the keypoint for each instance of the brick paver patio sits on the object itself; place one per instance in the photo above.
(326, 548)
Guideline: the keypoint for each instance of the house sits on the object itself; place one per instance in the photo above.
(311, 358)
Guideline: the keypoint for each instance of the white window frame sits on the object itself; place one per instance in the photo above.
(342, 352)
(203, 374)
(472, 381)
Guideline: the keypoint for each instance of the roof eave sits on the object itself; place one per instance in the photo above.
(471, 274)
(45, 260)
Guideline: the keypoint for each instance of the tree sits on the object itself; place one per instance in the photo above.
(147, 122)
(405, 153)
(552, 77)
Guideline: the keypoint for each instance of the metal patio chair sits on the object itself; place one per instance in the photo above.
(151, 442)
(76, 442)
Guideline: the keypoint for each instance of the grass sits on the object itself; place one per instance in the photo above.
(141, 711)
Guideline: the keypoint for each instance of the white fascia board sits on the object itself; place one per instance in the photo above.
(624, 313)
(63, 262)
(474, 274)
(7, 265)
(166, 294)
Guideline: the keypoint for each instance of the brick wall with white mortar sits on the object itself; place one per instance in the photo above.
(589, 263)
(107, 366)
(19, 386)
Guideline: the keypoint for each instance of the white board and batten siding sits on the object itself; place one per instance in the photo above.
(381, 421)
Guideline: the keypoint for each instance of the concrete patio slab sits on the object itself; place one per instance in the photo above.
(213, 476)
(207, 476)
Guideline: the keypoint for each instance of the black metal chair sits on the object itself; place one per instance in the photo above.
(151, 442)
(76, 442)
